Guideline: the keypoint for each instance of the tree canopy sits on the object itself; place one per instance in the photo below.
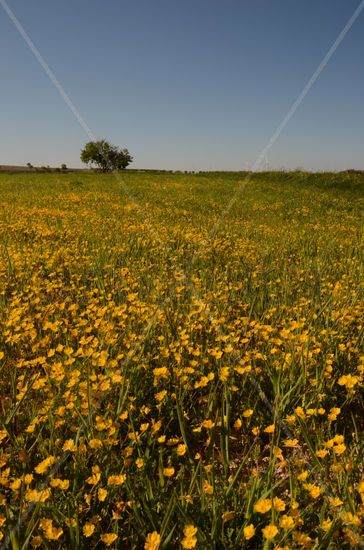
(105, 156)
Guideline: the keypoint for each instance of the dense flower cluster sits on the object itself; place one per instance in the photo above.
(170, 379)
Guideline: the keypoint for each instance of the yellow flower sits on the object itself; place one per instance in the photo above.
(60, 483)
(16, 484)
(314, 490)
(208, 424)
(32, 495)
(348, 381)
(28, 478)
(189, 540)
(152, 541)
(269, 429)
(156, 426)
(88, 529)
(279, 504)
(95, 443)
(69, 445)
(286, 522)
(269, 532)
(351, 519)
(290, 442)
(168, 472)
(94, 479)
(139, 463)
(326, 525)
(224, 374)
(108, 538)
(181, 449)
(49, 531)
(249, 531)
(302, 539)
(300, 412)
(248, 413)
(335, 501)
(161, 372)
(102, 494)
(263, 506)
(116, 480)
(334, 412)
(160, 395)
(321, 453)
(45, 465)
(339, 449)
(208, 488)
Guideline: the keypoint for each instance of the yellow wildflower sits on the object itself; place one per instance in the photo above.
(152, 541)
(181, 449)
(279, 504)
(116, 480)
(339, 449)
(69, 445)
(108, 538)
(286, 522)
(208, 488)
(49, 531)
(249, 531)
(160, 395)
(44, 466)
(269, 532)
(314, 490)
(32, 495)
(208, 424)
(224, 374)
(326, 525)
(88, 529)
(263, 506)
(290, 442)
(102, 494)
(189, 540)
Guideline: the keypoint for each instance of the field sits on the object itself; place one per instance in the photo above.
(179, 375)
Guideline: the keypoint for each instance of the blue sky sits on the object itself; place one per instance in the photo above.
(198, 84)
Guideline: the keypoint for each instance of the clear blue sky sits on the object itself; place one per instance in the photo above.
(192, 84)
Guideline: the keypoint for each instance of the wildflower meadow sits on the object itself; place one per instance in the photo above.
(182, 361)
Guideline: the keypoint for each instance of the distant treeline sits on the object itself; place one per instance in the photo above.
(65, 169)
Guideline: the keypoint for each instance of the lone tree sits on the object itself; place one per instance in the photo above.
(104, 156)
